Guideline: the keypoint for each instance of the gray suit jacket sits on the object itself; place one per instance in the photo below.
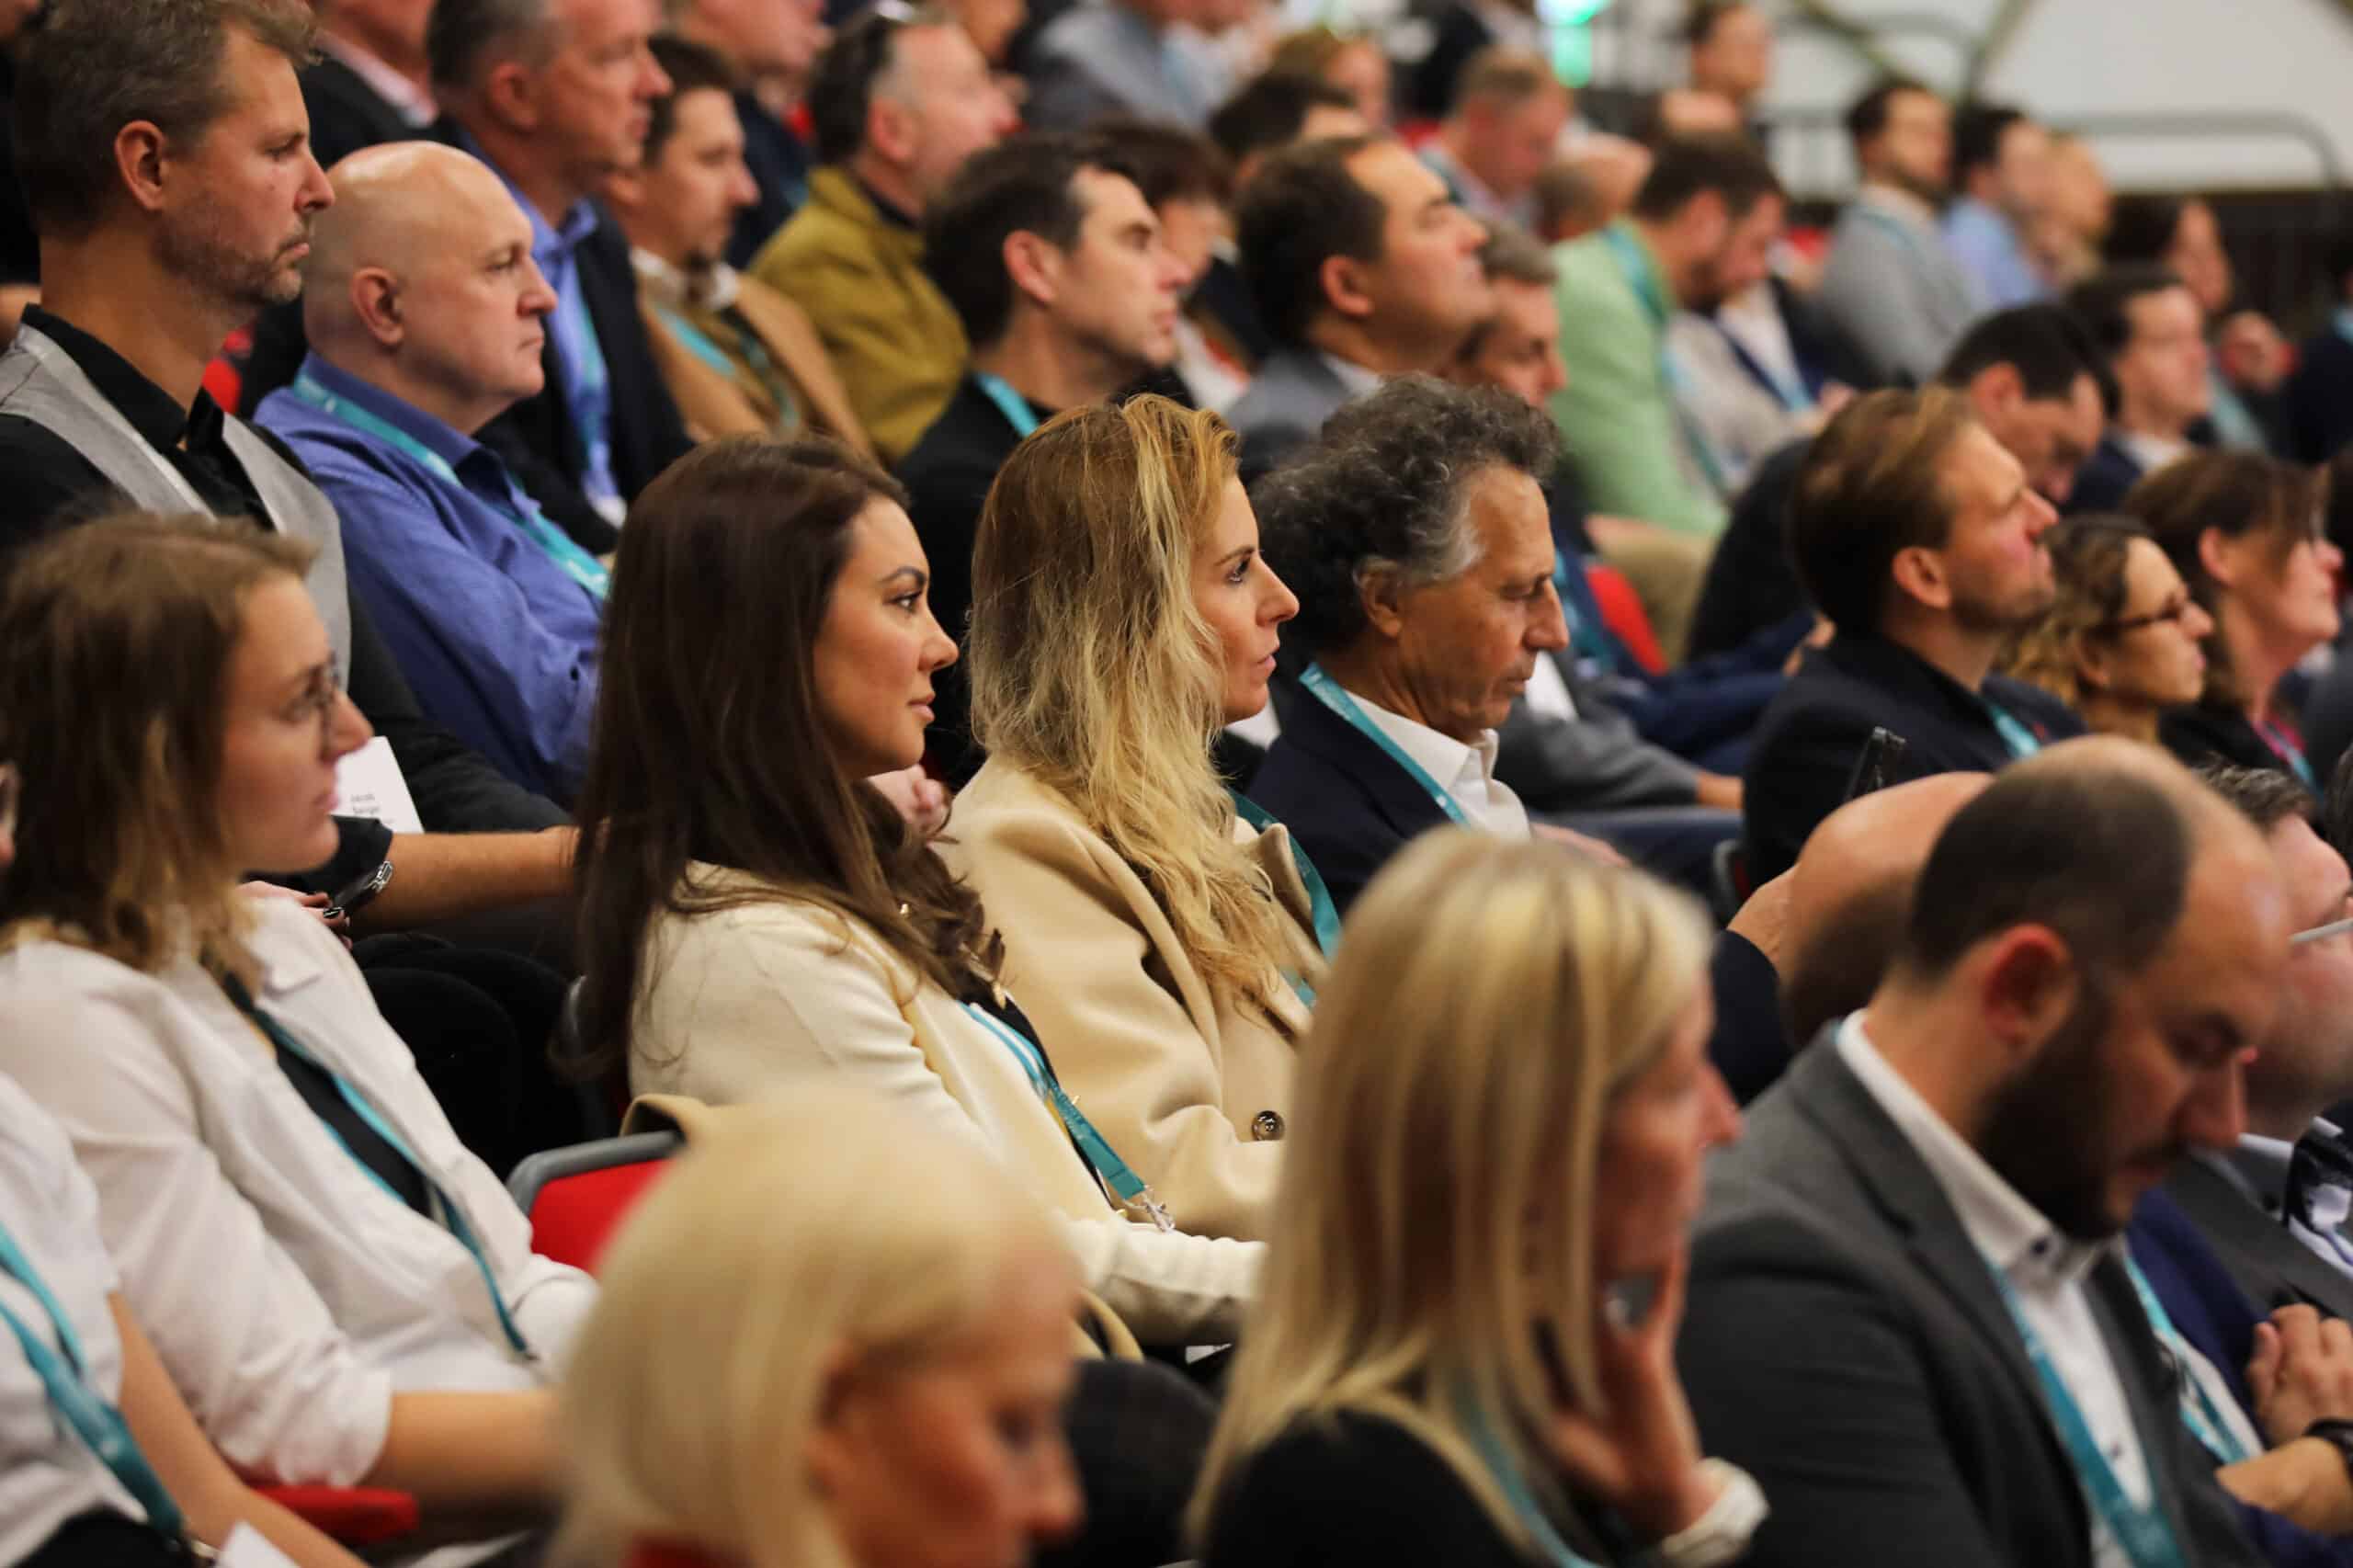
(1846, 1344)
(1290, 395)
(1895, 294)
(2263, 1258)
(1596, 763)
(1099, 58)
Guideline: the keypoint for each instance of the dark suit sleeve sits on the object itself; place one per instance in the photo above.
(1595, 762)
(1796, 777)
(1800, 1372)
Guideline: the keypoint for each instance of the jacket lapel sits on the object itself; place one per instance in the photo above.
(2286, 1270)
(1386, 787)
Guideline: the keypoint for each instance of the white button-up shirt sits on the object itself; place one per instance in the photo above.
(290, 1294)
(1465, 772)
(48, 1474)
(2045, 1269)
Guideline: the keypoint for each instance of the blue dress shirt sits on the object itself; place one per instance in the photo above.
(499, 642)
(1987, 247)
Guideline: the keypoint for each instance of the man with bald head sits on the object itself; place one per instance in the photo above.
(1907, 1314)
(426, 316)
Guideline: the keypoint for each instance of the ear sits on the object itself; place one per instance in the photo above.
(2219, 555)
(1920, 571)
(1344, 290)
(1997, 389)
(1381, 590)
(832, 1446)
(376, 301)
(140, 153)
(508, 93)
(2027, 985)
(2094, 665)
(890, 130)
(1034, 267)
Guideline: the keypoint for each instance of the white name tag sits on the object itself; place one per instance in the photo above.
(368, 784)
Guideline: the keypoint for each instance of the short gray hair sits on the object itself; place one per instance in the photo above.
(1386, 489)
(90, 67)
(463, 35)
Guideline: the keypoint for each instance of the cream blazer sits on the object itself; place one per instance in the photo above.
(1192, 1086)
(740, 1005)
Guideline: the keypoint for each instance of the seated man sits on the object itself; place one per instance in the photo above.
(1907, 1316)
(1416, 535)
(1917, 537)
(1054, 263)
(2032, 377)
(426, 316)
(739, 357)
(2274, 1208)
(1363, 267)
(899, 101)
(2151, 335)
(2002, 160)
(772, 49)
(1099, 58)
(1509, 110)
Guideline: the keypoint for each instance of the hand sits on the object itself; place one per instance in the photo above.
(2302, 1373)
(921, 798)
(2252, 352)
(1590, 847)
(1720, 790)
(1642, 1459)
(340, 925)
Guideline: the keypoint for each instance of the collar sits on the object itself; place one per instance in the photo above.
(1358, 380)
(2012, 1234)
(1901, 205)
(445, 441)
(1869, 656)
(560, 239)
(410, 102)
(890, 211)
(151, 410)
(1629, 240)
(2152, 453)
(1443, 758)
(2258, 1166)
(710, 289)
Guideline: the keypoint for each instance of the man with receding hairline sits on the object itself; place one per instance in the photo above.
(427, 315)
(1909, 1315)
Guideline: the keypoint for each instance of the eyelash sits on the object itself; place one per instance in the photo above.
(910, 602)
(1241, 572)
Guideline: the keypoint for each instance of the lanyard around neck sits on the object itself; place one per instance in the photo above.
(2021, 741)
(445, 1208)
(2283, 745)
(577, 563)
(1322, 914)
(64, 1373)
(2140, 1531)
(1554, 1549)
(1643, 280)
(1128, 1190)
(1012, 404)
(2199, 1411)
(1327, 691)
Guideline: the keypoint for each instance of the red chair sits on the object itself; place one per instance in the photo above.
(355, 1516)
(577, 1195)
(1622, 610)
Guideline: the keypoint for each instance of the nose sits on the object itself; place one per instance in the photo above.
(318, 192)
(2197, 622)
(741, 191)
(652, 82)
(1002, 118)
(1280, 605)
(1723, 1123)
(1547, 629)
(2043, 514)
(538, 297)
(1174, 273)
(940, 650)
(1055, 1506)
(2214, 1117)
(348, 728)
(1556, 370)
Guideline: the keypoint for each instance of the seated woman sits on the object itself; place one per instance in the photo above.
(2122, 640)
(2245, 532)
(764, 918)
(1161, 932)
(344, 1295)
(1492, 1358)
(827, 1339)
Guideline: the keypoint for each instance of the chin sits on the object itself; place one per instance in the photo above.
(1248, 705)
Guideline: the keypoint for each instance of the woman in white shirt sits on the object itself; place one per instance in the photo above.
(759, 916)
(343, 1293)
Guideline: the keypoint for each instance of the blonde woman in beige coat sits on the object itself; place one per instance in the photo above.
(1165, 937)
(756, 917)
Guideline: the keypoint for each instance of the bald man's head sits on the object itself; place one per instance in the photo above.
(421, 281)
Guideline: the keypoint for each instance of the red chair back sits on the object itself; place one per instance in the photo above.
(573, 1217)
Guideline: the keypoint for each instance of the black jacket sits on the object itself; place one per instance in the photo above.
(346, 114)
(2203, 734)
(2263, 1256)
(1752, 584)
(1748, 1046)
(1344, 800)
(2105, 479)
(1807, 742)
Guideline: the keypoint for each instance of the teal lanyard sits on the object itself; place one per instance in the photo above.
(2199, 1411)
(1130, 1189)
(1327, 691)
(1591, 642)
(577, 563)
(1549, 1542)
(1637, 268)
(2289, 751)
(2015, 736)
(756, 358)
(1012, 404)
(2345, 323)
(63, 1372)
(2140, 1531)
(445, 1208)
(1322, 912)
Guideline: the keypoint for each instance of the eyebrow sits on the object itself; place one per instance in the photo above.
(919, 576)
(1237, 554)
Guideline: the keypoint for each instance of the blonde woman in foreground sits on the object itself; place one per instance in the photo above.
(1464, 1351)
(827, 1339)
(1165, 936)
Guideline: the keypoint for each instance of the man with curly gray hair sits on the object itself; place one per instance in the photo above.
(1415, 534)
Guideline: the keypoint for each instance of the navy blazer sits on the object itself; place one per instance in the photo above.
(1344, 800)
(1807, 742)
(2105, 478)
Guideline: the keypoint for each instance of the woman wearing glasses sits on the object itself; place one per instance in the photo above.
(2123, 642)
(345, 1294)
(2243, 532)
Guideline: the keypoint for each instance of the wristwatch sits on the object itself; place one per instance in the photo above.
(1721, 1534)
(2338, 1435)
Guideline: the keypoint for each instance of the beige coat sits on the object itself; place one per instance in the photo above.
(1192, 1087)
(714, 405)
(740, 1005)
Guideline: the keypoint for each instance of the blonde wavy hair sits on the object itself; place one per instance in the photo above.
(789, 1234)
(1093, 671)
(1436, 1222)
(115, 643)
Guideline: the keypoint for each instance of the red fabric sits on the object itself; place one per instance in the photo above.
(575, 1216)
(674, 1554)
(356, 1515)
(1621, 609)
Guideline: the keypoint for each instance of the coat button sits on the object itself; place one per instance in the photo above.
(1266, 1127)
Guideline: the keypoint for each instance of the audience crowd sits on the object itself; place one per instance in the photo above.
(1296, 799)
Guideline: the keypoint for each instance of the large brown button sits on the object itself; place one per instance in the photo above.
(1266, 1127)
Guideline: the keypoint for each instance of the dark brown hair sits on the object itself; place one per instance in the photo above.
(1871, 488)
(708, 743)
(2235, 493)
